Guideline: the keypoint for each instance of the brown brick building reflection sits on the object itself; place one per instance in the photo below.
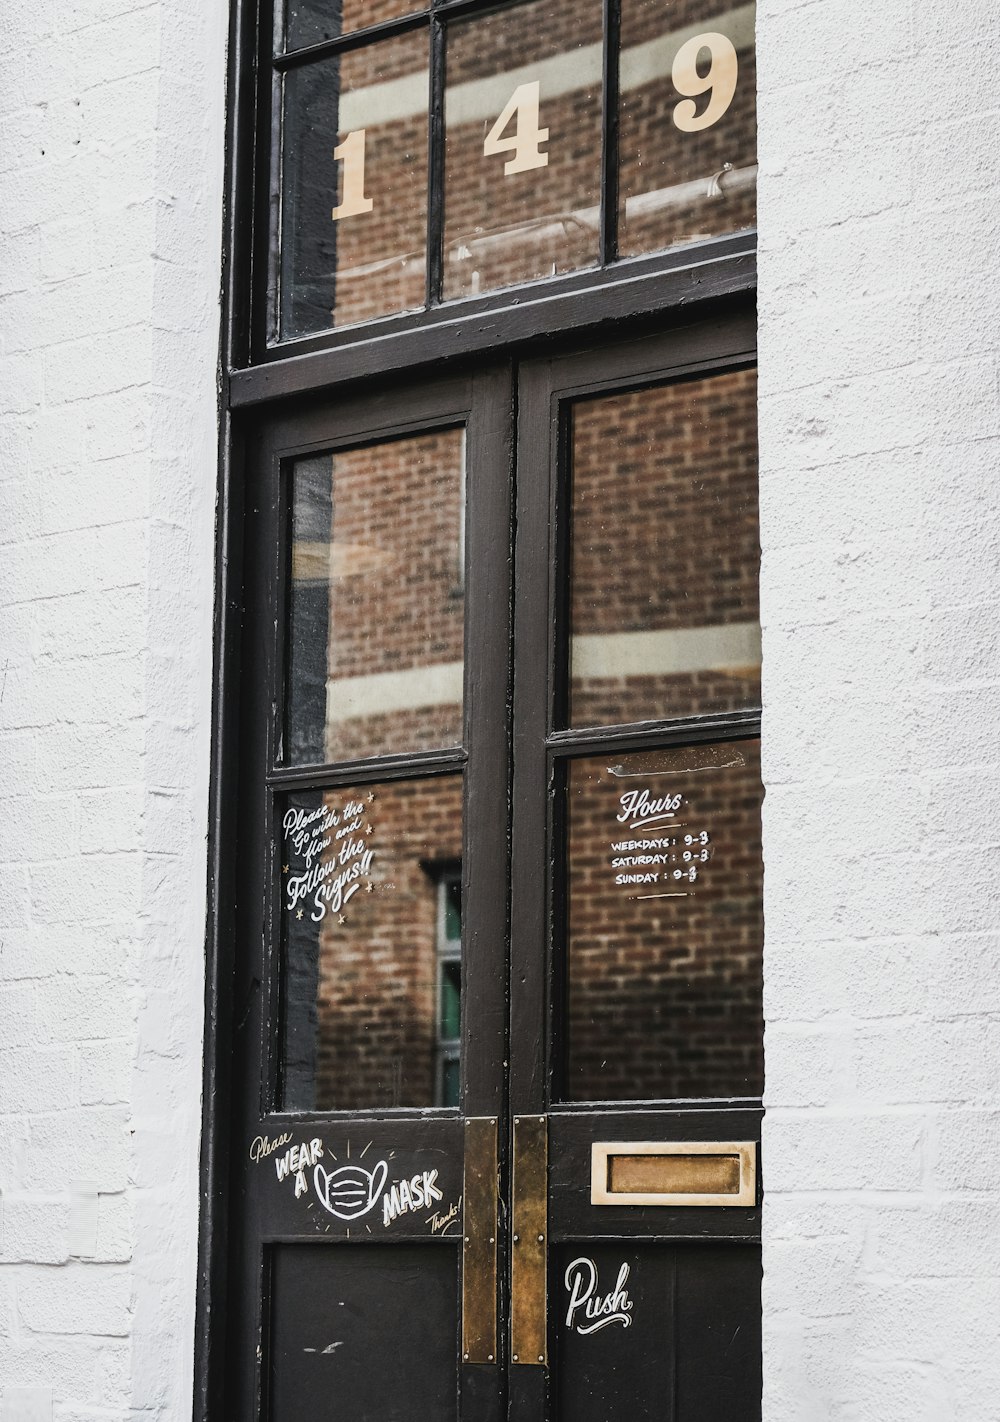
(665, 552)
(663, 993)
(377, 597)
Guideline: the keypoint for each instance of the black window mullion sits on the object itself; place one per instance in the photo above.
(354, 39)
(374, 768)
(690, 729)
(609, 151)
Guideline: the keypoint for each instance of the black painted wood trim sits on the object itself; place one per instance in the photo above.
(528, 318)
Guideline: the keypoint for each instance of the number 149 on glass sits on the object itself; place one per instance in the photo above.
(706, 66)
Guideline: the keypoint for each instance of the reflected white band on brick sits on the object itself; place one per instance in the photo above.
(670, 651)
(381, 693)
(732, 647)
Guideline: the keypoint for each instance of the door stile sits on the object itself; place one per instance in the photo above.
(530, 861)
(486, 863)
(486, 858)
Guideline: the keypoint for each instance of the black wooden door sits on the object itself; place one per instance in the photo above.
(371, 922)
(636, 1041)
(497, 1013)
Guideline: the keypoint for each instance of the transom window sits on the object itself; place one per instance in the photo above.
(428, 154)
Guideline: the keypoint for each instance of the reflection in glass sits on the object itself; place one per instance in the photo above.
(376, 628)
(688, 122)
(370, 986)
(354, 145)
(665, 552)
(449, 986)
(523, 145)
(665, 925)
(313, 21)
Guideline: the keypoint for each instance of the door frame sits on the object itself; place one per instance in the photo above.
(699, 345)
(627, 297)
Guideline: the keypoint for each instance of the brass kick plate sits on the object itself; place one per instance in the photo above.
(479, 1244)
(529, 1242)
(703, 1173)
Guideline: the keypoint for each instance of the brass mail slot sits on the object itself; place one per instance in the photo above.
(703, 1173)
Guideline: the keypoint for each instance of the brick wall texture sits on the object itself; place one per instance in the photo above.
(880, 439)
(111, 142)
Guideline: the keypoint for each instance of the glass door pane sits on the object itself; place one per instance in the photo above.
(664, 551)
(372, 1003)
(377, 600)
(665, 924)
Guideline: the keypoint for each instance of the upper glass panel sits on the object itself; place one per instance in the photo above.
(354, 186)
(377, 602)
(664, 552)
(523, 145)
(313, 21)
(688, 122)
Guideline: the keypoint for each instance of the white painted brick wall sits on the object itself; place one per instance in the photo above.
(880, 454)
(111, 152)
(880, 434)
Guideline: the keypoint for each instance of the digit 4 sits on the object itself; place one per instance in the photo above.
(526, 140)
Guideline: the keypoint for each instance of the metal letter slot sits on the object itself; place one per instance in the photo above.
(703, 1173)
(529, 1242)
(479, 1245)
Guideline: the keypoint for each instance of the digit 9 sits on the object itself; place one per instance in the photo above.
(720, 80)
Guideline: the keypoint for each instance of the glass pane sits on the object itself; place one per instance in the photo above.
(688, 130)
(450, 1083)
(376, 601)
(360, 915)
(312, 21)
(451, 996)
(665, 925)
(665, 553)
(354, 186)
(453, 909)
(523, 145)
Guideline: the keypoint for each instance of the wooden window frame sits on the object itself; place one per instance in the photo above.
(662, 293)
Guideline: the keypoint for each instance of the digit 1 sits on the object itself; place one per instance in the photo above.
(527, 138)
(352, 154)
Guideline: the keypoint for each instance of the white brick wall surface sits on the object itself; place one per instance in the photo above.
(111, 151)
(880, 447)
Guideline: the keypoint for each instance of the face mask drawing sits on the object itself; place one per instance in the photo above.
(350, 1191)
